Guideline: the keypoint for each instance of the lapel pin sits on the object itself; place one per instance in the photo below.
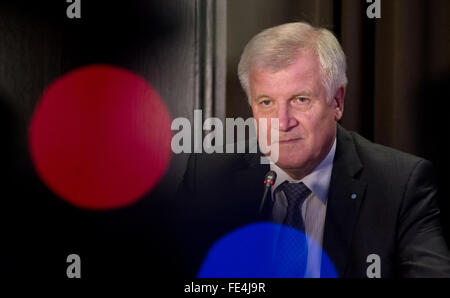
(353, 196)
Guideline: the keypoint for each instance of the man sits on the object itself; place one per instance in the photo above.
(361, 202)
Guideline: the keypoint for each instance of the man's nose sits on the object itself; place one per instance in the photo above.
(286, 120)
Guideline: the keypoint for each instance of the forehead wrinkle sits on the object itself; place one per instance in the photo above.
(299, 78)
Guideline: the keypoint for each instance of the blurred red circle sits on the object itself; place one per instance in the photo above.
(100, 137)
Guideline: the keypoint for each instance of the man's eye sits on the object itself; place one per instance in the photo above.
(265, 102)
(302, 100)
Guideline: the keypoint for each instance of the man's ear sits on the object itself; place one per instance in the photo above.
(338, 103)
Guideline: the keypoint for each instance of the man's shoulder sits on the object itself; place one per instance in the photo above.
(374, 155)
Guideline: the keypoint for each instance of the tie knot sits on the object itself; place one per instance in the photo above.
(295, 193)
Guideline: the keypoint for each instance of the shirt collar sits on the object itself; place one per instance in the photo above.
(318, 181)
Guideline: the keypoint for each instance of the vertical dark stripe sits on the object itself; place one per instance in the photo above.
(201, 51)
(368, 76)
(197, 42)
(214, 60)
(337, 19)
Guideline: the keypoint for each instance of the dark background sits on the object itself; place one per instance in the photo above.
(399, 78)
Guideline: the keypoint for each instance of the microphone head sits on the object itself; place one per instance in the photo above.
(270, 178)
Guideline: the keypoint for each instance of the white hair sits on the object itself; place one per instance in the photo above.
(279, 47)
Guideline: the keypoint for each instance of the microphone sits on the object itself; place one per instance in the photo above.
(269, 180)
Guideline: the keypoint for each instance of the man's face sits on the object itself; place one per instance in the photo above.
(307, 122)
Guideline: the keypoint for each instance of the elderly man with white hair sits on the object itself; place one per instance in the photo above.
(370, 208)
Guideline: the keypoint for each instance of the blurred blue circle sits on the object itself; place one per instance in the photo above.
(262, 250)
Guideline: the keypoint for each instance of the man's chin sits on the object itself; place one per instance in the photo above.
(289, 164)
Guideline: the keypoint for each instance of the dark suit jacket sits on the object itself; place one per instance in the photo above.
(394, 214)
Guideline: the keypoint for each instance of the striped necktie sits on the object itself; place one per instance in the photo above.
(292, 248)
(296, 194)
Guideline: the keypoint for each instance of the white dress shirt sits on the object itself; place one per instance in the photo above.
(313, 209)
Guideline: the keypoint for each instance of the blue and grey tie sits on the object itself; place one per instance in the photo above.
(292, 247)
(296, 194)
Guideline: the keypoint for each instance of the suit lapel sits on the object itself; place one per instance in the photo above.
(344, 199)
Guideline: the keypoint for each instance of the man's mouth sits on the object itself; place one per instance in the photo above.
(289, 141)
